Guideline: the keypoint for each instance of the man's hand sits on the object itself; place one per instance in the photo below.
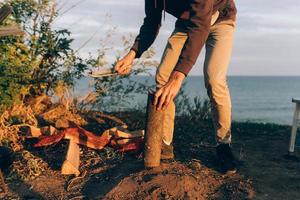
(124, 65)
(167, 93)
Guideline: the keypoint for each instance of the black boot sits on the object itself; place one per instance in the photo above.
(226, 159)
(167, 152)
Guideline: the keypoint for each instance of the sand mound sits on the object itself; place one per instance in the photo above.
(178, 181)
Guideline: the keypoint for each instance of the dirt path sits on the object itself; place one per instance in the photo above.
(264, 171)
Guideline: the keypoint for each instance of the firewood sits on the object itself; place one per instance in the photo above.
(84, 137)
(127, 145)
(116, 138)
(136, 145)
(34, 132)
(71, 164)
(77, 135)
(133, 134)
(111, 131)
(114, 131)
(49, 140)
(123, 141)
(48, 130)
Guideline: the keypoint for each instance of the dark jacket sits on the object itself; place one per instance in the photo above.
(197, 17)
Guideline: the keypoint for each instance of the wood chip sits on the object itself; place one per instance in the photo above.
(71, 164)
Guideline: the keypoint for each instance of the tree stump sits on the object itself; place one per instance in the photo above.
(153, 134)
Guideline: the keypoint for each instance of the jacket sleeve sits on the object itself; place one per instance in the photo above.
(198, 29)
(149, 30)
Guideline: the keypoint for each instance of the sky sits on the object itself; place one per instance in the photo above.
(267, 38)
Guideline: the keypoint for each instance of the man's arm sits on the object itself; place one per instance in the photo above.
(144, 40)
(149, 29)
(198, 30)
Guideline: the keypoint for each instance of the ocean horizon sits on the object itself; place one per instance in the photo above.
(261, 99)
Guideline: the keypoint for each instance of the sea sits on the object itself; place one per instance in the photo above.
(263, 99)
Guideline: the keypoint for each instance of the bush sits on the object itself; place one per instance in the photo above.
(117, 92)
(35, 63)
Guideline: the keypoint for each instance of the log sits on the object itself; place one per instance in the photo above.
(123, 141)
(49, 140)
(4, 12)
(86, 138)
(135, 145)
(156, 122)
(71, 164)
(122, 138)
(48, 130)
(111, 132)
(77, 135)
(133, 134)
(35, 132)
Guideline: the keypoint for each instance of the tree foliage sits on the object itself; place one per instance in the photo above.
(35, 63)
(118, 93)
(43, 58)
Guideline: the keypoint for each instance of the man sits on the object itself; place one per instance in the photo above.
(200, 22)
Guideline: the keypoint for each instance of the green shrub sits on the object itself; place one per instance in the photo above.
(36, 62)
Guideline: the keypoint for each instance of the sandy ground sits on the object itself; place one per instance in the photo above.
(265, 172)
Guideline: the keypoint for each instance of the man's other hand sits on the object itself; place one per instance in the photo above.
(124, 65)
(167, 93)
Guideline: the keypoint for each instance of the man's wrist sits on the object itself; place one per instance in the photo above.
(131, 54)
(178, 76)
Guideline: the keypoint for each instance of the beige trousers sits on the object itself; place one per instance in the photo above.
(217, 58)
